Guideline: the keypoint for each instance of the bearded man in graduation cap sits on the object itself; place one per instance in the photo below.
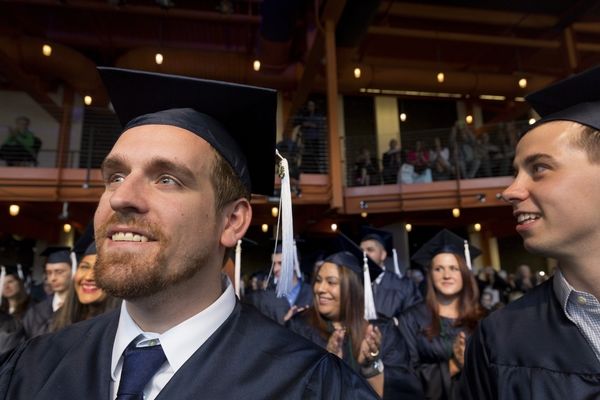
(178, 183)
(546, 345)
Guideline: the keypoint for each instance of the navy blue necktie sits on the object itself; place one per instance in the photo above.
(139, 366)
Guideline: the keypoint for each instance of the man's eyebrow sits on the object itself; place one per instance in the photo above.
(533, 158)
(179, 170)
(113, 162)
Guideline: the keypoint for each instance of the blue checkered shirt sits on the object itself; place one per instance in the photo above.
(583, 309)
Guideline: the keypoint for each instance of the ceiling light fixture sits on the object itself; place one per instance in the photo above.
(47, 50)
(14, 209)
(523, 83)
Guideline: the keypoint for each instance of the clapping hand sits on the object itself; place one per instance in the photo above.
(370, 345)
(334, 344)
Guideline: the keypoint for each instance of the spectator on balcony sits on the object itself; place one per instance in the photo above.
(313, 137)
(366, 170)
(485, 151)
(439, 158)
(464, 143)
(391, 161)
(22, 146)
(419, 160)
(506, 142)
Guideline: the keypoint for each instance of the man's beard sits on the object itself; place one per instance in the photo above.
(132, 276)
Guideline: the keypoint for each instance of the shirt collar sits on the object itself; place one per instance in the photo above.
(181, 341)
(562, 290)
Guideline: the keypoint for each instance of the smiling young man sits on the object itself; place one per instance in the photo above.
(546, 345)
(392, 294)
(177, 197)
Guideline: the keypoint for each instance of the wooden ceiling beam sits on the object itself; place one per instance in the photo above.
(465, 37)
(172, 13)
(470, 15)
(19, 78)
(332, 11)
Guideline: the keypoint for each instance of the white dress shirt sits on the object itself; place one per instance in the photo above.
(179, 343)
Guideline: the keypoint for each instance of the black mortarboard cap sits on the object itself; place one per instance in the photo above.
(385, 238)
(576, 99)
(239, 121)
(85, 241)
(91, 249)
(346, 244)
(347, 260)
(443, 242)
(14, 270)
(57, 254)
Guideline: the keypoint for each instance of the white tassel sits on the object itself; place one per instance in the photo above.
(284, 285)
(73, 264)
(468, 255)
(396, 265)
(2, 276)
(297, 262)
(20, 273)
(238, 268)
(370, 312)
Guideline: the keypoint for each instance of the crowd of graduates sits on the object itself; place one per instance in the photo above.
(411, 345)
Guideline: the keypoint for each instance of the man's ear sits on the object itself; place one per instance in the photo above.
(383, 255)
(237, 216)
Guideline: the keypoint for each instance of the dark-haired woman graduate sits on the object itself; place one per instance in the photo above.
(341, 323)
(436, 330)
(84, 299)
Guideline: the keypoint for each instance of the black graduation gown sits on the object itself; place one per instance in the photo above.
(530, 350)
(430, 358)
(11, 334)
(393, 295)
(267, 302)
(248, 357)
(38, 318)
(399, 381)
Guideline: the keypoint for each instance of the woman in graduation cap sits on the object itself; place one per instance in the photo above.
(340, 322)
(15, 299)
(84, 300)
(436, 329)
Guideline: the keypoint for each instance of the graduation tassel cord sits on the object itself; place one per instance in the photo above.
(370, 313)
(297, 262)
(237, 268)
(396, 265)
(284, 284)
(73, 264)
(20, 273)
(468, 255)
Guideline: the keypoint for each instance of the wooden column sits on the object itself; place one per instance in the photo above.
(335, 154)
(570, 49)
